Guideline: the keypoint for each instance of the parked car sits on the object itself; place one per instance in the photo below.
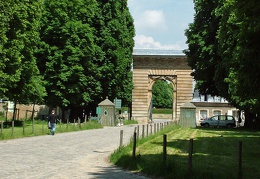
(219, 120)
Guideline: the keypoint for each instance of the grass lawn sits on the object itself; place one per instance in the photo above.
(40, 128)
(162, 111)
(215, 153)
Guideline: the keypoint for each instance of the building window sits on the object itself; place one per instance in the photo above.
(203, 114)
(216, 112)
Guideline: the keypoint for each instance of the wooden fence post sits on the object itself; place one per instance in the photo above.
(240, 159)
(43, 126)
(79, 123)
(2, 126)
(137, 132)
(134, 146)
(12, 128)
(190, 157)
(143, 131)
(32, 125)
(23, 127)
(60, 123)
(6, 113)
(121, 138)
(164, 147)
(147, 127)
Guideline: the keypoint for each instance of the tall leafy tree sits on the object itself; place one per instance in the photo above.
(86, 52)
(232, 26)
(68, 53)
(202, 52)
(115, 37)
(238, 36)
(20, 79)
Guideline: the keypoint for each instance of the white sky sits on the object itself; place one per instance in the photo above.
(161, 23)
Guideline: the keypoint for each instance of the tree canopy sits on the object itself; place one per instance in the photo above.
(223, 50)
(67, 59)
(20, 77)
(86, 52)
(71, 53)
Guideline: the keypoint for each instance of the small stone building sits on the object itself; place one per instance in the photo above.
(107, 113)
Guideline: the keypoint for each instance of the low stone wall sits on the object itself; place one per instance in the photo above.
(25, 111)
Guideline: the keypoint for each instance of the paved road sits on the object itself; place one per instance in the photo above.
(82, 154)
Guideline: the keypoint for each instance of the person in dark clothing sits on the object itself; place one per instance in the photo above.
(52, 120)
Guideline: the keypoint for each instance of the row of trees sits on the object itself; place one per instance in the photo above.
(70, 54)
(223, 51)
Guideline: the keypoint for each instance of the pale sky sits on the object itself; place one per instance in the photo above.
(161, 23)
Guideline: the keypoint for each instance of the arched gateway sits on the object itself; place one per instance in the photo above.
(150, 65)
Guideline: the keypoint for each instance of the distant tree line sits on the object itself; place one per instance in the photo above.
(224, 52)
(67, 54)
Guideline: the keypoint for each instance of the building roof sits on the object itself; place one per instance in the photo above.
(106, 102)
(153, 51)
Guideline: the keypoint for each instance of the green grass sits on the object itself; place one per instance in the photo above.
(40, 128)
(129, 122)
(162, 111)
(215, 153)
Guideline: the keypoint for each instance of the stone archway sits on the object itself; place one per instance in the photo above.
(149, 68)
(172, 78)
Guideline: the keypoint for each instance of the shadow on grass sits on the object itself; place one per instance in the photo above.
(213, 157)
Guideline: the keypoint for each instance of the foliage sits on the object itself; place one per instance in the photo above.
(209, 156)
(241, 51)
(20, 79)
(202, 53)
(67, 58)
(224, 52)
(162, 93)
(114, 34)
(86, 52)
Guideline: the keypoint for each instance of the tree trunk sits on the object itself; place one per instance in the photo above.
(33, 111)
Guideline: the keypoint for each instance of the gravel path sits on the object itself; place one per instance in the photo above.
(82, 154)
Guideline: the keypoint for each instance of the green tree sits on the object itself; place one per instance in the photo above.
(162, 94)
(202, 52)
(223, 47)
(20, 79)
(86, 52)
(115, 37)
(238, 43)
(68, 53)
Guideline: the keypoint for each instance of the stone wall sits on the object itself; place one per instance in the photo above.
(24, 111)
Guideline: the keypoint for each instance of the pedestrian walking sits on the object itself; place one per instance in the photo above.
(52, 122)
